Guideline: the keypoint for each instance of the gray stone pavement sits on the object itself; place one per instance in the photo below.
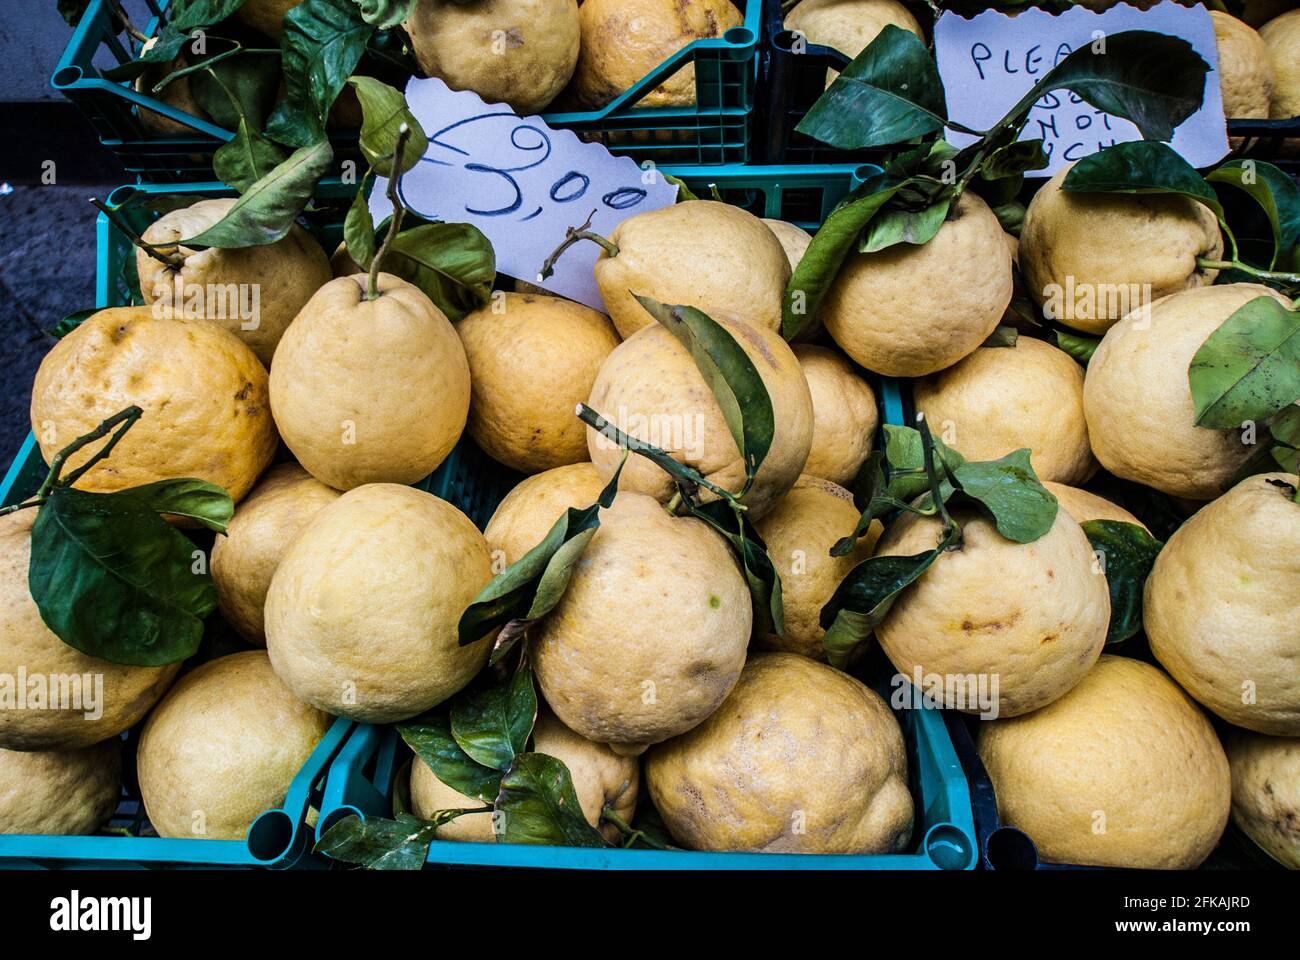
(47, 270)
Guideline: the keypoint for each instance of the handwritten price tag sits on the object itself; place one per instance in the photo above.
(522, 183)
(988, 62)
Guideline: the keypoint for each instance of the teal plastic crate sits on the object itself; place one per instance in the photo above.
(720, 128)
(363, 776)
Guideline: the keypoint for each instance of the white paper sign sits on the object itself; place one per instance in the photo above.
(522, 183)
(990, 61)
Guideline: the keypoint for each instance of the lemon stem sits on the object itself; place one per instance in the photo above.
(123, 419)
(572, 236)
(116, 219)
(394, 224)
(1207, 264)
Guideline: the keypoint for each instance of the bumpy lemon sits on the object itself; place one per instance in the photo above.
(651, 388)
(1266, 792)
(794, 239)
(222, 748)
(1141, 418)
(517, 52)
(623, 40)
(800, 758)
(59, 791)
(244, 560)
(82, 699)
(370, 391)
(1123, 771)
(528, 512)
(1001, 399)
(1220, 605)
(204, 394)
(362, 614)
(532, 359)
(1028, 617)
(1150, 249)
(1245, 67)
(848, 26)
(254, 292)
(909, 310)
(604, 674)
(601, 778)
(845, 416)
(799, 533)
(700, 253)
(1282, 37)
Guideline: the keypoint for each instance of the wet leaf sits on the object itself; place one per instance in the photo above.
(1129, 553)
(540, 806)
(492, 724)
(431, 738)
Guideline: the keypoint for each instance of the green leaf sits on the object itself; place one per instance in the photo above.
(905, 454)
(383, 111)
(877, 500)
(268, 208)
(895, 225)
(378, 844)
(241, 87)
(511, 598)
(246, 159)
(1152, 79)
(431, 738)
(453, 263)
(1128, 553)
(1013, 159)
(730, 374)
(322, 43)
(185, 19)
(359, 229)
(864, 597)
(761, 575)
(386, 14)
(540, 805)
(492, 724)
(1077, 345)
(1141, 167)
(73, 320)
(192, 499)
(830, 246)
(1249, 368)
(890, 93)
(114, 580)
(1002, 336)
(1022, 508)
(1276, 193)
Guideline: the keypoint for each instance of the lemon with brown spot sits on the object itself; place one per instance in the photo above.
(204, 395)
(1266, 792)
(1030, 617)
